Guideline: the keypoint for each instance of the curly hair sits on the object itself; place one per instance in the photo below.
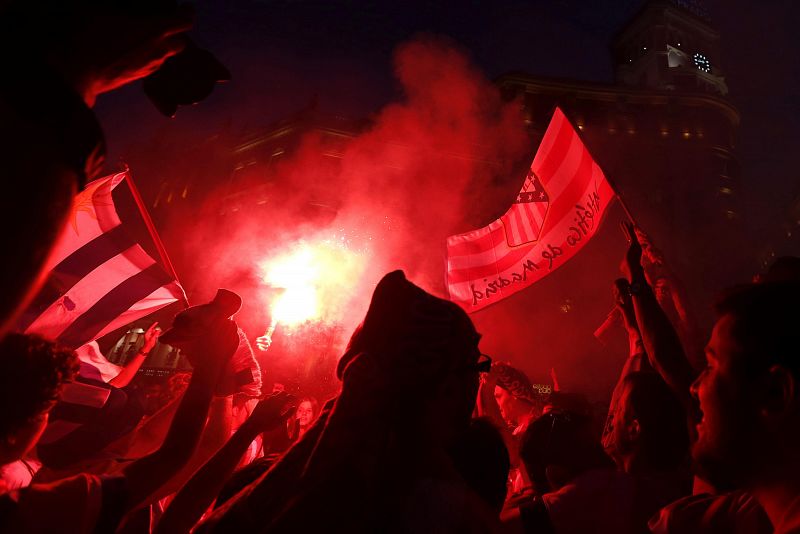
(32, 372)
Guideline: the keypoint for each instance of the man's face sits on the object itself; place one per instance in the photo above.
(728, 429)
(505, 401)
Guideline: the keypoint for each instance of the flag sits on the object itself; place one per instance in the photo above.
(557, 211)
(99, 277)
(524, 219)
(93, 364)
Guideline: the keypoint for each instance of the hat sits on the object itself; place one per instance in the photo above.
(242, 373)
(192, 322)
(404, 320)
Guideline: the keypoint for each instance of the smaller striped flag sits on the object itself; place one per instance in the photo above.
(99, 277)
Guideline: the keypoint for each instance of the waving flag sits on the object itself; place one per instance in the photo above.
(559, 208)
(100, 278)
(524, 219)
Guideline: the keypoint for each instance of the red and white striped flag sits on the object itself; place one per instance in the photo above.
(100, 278)
(558, 209)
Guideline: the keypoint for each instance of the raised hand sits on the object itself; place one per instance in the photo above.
(651, 253)
(150, 338)
(622, 299)
(133, 47)
(632, 266)
(272, 411)
(212, 351)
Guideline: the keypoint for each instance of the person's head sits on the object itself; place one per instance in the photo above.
(749, 392)
(420, 348)
(514, 394)
(32, 372)
(649, 425)
(307, 411)
(482, 459)
(559, 446)
(783, 269)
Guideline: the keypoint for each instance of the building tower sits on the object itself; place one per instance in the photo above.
(665, 134)
(670, 46)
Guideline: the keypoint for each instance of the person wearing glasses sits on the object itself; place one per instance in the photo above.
(379, 458)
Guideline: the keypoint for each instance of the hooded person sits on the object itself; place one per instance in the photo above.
(378, 458)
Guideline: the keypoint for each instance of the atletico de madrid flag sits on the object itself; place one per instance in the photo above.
(559, 208)
(100, 278)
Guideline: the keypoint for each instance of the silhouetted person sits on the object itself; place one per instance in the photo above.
(88, 503)
(701, 513)
(649, 427)
(57, 58)
(749, 396)
(481, 457)
(378, 460)
(32, 375)
(576, 487)
(195, 497)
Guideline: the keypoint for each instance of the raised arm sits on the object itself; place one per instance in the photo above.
(661, 341)
(260, 502)
(209, 356)
(198, 494)
(132, 366)
(637, 357)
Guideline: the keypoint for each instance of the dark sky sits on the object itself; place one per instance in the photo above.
(282, 53)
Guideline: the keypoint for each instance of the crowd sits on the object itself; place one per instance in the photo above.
(426, 434)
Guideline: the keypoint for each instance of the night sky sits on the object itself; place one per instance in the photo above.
(283, 53)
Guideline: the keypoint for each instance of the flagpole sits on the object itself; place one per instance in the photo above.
(622, 202)
(151, 228)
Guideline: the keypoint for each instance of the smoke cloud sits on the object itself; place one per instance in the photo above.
(427, 167)
(447, 157)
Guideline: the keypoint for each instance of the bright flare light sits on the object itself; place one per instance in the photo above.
(298, 274)
(316, 278)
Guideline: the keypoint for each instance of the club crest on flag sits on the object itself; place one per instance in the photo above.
(524, 220)
(558, 210)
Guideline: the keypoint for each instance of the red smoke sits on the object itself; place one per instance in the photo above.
(428, 167)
